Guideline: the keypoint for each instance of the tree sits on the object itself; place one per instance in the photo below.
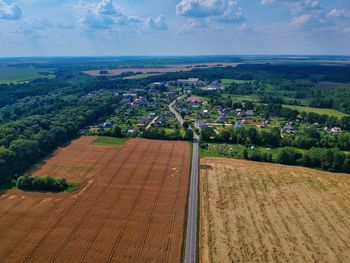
(116, 131)
(185, 125)
(189, 135)
(207, 133)
(288, 156)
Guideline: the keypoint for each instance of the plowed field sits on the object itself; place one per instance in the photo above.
(254, 212)
(131, 208)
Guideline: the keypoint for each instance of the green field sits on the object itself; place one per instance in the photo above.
(21, 75)
(141, 76)
(109, 141)
(330, 112)
(232, 81)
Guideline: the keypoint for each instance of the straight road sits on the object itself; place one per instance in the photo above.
(192, 211)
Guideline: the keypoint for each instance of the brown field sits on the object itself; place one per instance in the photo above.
(255, 212)
(131, 209)
(169, 69)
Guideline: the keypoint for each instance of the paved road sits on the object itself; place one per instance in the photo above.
(177, 115)
(192, 211)
(191, 232)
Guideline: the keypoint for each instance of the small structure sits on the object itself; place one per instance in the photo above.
(107, 125)
(238, 126)
(200, 125)
(245, 120)
(288, 128)
(189, 82)
(336, 130)
(195, 100)
(264, 124)
(249, 113)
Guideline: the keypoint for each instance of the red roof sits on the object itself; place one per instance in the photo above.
(195, 99)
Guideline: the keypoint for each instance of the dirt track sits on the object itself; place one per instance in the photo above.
(254, 212)
(132, 209)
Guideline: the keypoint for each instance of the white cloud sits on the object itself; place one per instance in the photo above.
(339, 13)
(193, 25)
(10, 11)
(306, 14)
(222, 11)
(105, 15)
(156, 24)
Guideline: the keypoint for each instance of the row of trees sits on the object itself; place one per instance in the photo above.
(163, 134)
(272, 138)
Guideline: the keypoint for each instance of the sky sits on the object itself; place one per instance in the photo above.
(174, 27)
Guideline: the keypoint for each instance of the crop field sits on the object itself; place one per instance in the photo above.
(330, 112)
(131, 209)
(23, 74)
(257, 212)
(152, 70)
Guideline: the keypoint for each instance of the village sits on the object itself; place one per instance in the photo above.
(139, 110)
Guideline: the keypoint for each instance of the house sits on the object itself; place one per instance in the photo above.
(194, 100)
(189, 82)
(249, 113)
(240, 115)
(245, 120)
(264, 124)
(336, 130)
(157, 84)
(200, 125)
(131, 131)
(171, 94)
(153, 92)
(187, 92)
(220, 119)
(288, 128)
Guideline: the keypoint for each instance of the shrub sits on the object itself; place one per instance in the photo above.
(46, 183)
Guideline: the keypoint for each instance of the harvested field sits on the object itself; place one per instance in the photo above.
(169, 69)
(256, 212)
(132, 209)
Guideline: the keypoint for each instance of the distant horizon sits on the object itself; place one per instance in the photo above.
(185, 56)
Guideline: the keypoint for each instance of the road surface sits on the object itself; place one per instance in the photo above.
(177, 115)
(192, 211)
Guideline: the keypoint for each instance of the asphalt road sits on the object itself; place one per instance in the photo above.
(192, 213)
(177, 115)
(192, 210)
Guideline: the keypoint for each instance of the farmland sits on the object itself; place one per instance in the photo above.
(23, 74)
(152, 70)
(131, 207)
(255, 212)
(330, 112)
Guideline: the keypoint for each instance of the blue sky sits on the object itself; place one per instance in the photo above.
(173, 27)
